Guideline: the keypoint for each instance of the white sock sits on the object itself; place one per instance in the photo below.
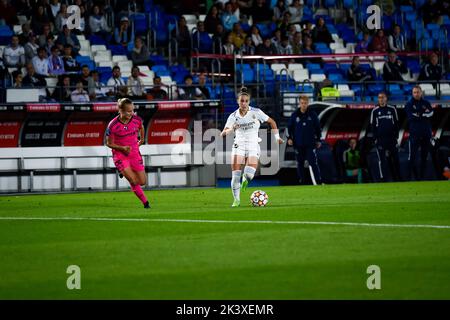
(249, 173)
(236, 184)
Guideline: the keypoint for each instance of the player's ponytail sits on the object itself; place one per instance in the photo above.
(244, 92)
(121, 103)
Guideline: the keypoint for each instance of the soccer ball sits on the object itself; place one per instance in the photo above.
(259, 198)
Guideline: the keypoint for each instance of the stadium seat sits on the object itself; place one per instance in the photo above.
(318, 77)
(428, 89)
(301, 75)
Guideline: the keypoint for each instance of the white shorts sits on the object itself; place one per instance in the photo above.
(246, 150)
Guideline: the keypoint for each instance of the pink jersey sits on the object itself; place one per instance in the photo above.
(125, 134)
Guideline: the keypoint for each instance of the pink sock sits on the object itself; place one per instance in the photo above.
(139, 193)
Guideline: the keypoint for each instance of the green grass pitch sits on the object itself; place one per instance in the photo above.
(172, 259)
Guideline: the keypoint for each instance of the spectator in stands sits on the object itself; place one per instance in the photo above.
(308, 47)
(40, 62)
(237, 36)
(228, 17)
(283, 26)
(261, 12)
(70, 64)
(248, 47)
(55, 7)
(182, 36)
(352, 161)
(228, 46)
(84, 77)
(63, 91)
(67, 37)
(189, 91)
(123, 34)
(292, 31)
(203, 87)
(276, 39)
(397, 41)
(218, 39)
(203, 42)
(24, 37)
(356, 73)
(61, 18)
(236, 10)
(363, 45)
(212, 20)
(55, 63)
(46, 31)
(297, 43)
(266, 48)
(394, 68)
(256, 36)
(98, 24)
(432, 70)
(116, 84)
(17, 78)
(79, 94)
(31, 48)
(307, 30)
(296, 11)
(14, 54)
(84, 27)
(321, 33)
(23, 8)
(140, 54)
(278, 11)
(135, 84)
(379, 42)
(39, 20)
(8, 14)
(429, 12)
(32, 79)
(156, 92)
(97, 90)
(285, 47)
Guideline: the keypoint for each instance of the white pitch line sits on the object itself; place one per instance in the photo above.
(355, 224)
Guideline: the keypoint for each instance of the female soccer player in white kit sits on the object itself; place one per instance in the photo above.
(245, 122)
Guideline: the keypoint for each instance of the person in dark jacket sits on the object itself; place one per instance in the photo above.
(432, 70)
(394, 68)
(304, 135)
(384, 124)
(320, 33)
(419, 112)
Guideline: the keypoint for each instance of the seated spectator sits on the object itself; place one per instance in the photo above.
(55, 7)
(352, 161)
(296, 11)
(228, 17)
(321, 33)
(42, 39)
(116, 85)
(356, 73)
(203, 87)
(55, 63)
(278, 11)
(212, 20)
(182, 36)
(82, 28)
(432, 70)
(276, 39)
(39, 20)
(228, 46)
(189, 91)
(63, 91)
(140, 54)
(70, 64)
(40, 62)
(84, 77)
(24, 37)
(307, 30)
(283, 26)
(308, 47)
(237, 36)
(285, 47)
(14, 54)
(248, 48)
(261, 12)
(266, 48)
(394, 68)
(201, 39)
(397, 41)
(218, 39)
(17, 79)
(32, 79)
(61, 18)
(123, 34)
(8, 13)
(31, 48)
(135, 84)
(297, 43)
(98, 24)
(156, 92)
(97, 90)
(67, 37)
(379, 42)
(364, 44)
(256, 36)
(79, 94)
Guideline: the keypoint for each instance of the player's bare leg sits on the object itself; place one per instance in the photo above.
(249, 171)
(237, 162)
(136, 179)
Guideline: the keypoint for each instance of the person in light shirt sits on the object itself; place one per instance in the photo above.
(245, 123)
(79, 94)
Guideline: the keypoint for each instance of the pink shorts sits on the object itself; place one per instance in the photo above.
(133, 160)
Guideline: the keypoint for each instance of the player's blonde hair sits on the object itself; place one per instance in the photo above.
(244, 92)
(303, 97)
(121, 103)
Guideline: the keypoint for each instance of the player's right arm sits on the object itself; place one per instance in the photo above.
(230, 126)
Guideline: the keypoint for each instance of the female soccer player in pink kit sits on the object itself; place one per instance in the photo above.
(124, 135)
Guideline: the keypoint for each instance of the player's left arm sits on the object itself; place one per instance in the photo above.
(141, 135)
(273, 126)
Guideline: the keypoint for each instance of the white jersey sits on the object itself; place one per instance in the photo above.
(248, 125)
